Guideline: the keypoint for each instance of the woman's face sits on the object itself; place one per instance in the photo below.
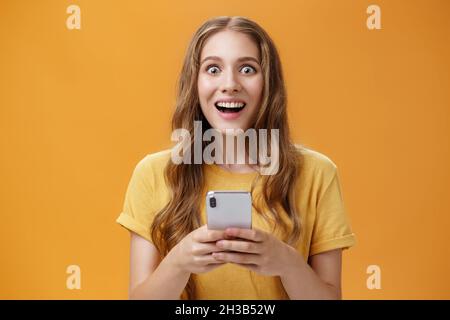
(230, 72)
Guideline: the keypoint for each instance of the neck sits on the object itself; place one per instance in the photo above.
(232, 155)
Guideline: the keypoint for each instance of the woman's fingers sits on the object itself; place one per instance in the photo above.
(234, 257)
(205, 235)
(208, 259)
(254, 234)
(239, 246)
(206, 248)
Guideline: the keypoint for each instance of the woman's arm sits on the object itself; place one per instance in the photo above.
(151, 278)
(321, 280)
(268, 255)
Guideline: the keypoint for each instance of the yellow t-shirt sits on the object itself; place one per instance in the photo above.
(324, 223)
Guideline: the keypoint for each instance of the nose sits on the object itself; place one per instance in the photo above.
(230, 83)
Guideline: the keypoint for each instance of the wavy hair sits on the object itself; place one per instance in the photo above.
(181, 215)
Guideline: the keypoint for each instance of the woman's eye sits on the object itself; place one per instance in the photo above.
(212, 67)
(249, 67)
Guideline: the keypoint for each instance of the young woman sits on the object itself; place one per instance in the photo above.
(299, 223)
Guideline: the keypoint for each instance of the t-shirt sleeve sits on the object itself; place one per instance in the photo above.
(138, 208)
(332, 228)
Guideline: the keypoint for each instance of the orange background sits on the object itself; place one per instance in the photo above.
(79, 109)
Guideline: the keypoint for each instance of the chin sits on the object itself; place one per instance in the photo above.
(222, 129)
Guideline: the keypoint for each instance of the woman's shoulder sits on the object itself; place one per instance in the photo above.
(316, 162)
(158, 157)
(154, 162)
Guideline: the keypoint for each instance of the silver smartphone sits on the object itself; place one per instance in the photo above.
(228, 209)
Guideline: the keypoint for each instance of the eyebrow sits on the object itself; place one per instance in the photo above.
(240, 59)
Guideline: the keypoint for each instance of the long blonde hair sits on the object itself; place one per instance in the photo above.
(181, 215)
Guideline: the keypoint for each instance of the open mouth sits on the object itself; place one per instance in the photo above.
(229, 107)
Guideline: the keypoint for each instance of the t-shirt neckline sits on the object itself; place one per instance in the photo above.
(222, 172)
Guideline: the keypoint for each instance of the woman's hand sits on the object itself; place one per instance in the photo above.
(256, 250)
(193, 253)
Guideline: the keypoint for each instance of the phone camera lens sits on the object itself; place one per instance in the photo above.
(212, 202)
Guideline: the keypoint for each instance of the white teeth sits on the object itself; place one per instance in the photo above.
(230, 105)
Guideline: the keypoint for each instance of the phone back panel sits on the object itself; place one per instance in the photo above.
(232, 209)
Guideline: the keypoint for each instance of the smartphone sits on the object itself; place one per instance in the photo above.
(228, 209)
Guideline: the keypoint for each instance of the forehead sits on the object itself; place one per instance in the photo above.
(230, 45)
